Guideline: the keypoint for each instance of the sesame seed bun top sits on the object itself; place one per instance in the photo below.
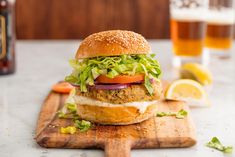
(112, 43)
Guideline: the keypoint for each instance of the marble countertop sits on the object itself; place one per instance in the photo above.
(42, 63)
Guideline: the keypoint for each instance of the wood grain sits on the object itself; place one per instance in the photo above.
(157, 132)
(73, 19)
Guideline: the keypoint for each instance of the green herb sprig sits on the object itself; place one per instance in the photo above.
(216, 144)
(179, 115)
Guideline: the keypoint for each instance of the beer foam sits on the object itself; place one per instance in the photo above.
(188, 14)
(226, 16)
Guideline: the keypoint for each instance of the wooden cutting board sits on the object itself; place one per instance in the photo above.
(117, 141)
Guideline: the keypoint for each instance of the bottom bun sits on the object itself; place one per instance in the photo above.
(120, 115)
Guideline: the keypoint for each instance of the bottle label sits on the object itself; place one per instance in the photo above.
(3, 50)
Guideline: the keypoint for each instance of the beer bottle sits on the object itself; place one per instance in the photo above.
(7, 37)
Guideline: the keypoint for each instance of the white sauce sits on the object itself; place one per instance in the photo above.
(141, 106)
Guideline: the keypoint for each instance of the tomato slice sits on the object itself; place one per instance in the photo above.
(62, 87)
(121, 79)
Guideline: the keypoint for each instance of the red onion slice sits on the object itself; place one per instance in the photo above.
(112, 86)
(105, 86)
(109, 87)
(152, 80)
(75, 85)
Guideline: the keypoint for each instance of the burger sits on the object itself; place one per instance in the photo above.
(116, 80)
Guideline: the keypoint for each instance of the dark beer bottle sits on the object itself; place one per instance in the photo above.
(7, 37)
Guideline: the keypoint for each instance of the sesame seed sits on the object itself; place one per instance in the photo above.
(126, 39)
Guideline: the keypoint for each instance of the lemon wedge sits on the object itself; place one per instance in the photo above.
(189, 91)
(196, 72)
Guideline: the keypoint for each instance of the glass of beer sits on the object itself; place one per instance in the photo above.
(187, 19)
(220, 25)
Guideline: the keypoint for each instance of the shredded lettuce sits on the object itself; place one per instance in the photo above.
(72, 108)
(61, 114)
(82, 125)
(179, 115)
(148, 84)
(69, 110)
(85, 71)
(216, 144)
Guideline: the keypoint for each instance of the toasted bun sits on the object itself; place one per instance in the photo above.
(112, 43)
(121, 115)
